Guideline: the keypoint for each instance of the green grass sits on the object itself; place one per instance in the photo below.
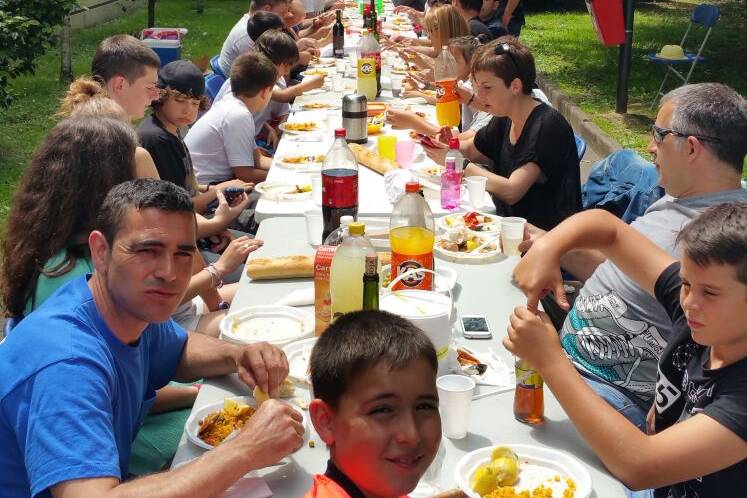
(567, 52)
(28, 120)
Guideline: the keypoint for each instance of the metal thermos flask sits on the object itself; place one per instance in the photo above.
(355, 118)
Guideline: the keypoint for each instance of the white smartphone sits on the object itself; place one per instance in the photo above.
(475, 327)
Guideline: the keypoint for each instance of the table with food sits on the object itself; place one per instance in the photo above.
(442, 258)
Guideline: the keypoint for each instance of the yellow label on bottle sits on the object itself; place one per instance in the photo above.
(366, 68)
(527, 376)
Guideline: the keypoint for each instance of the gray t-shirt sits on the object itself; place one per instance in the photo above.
(222, 139)
(237, 42)
(615, 331)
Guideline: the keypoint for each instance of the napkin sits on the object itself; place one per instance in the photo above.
(299, 297)
(248, 487)
(394, 183)
(497, 374)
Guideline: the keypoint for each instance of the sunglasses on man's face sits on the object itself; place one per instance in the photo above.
(660, 133)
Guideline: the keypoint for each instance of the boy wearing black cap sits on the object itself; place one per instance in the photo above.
(181, 96)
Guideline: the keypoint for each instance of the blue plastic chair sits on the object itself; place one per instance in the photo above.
(704, 15)
(213, 82)
(215, 66)
(580, 146)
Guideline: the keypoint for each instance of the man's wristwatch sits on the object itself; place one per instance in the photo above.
(465, 163)
(223, 305)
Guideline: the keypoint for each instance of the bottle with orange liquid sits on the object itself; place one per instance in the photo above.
(448, 111)
(412, 235)
(529, 400)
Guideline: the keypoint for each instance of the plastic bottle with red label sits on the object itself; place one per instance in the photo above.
(339, 184)
(448, 112)
(411, 233)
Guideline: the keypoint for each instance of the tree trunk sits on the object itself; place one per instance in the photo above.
(151, 13)
(66, 63)
(200, 6)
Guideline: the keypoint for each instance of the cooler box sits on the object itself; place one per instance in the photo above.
(166, 42)
(607, 18)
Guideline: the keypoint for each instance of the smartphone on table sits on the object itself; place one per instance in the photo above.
(475, 327)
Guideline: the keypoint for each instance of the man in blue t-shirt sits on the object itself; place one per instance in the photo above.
(78, 375)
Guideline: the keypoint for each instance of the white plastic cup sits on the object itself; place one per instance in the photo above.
(316, 189)
(340, 66)
(404, 152)
(337, 82)
(476, 190)
(512, 233)
(455, 398)
(396, 81)
(314, 226)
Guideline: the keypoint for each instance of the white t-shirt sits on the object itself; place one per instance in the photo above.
(237, 42)
(221, 140)
(273, 110)
(467, 113)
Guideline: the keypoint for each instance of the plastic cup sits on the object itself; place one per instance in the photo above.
(314, 226)
(316, 189)
(455, 397)
(396, 81)
(337, 82)
(340, 66)
(512, 233)
(387, 145)
(404, 152)
(476, 190)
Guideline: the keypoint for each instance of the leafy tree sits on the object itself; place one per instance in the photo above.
(27, 29)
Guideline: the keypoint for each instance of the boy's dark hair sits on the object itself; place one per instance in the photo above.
(141, 193)
(125, 55)
(471, 5)
(518, 62)
(358, 341)
(718, 236)
(263, 21)
(255, 5)
(278, 46)
(252, 72)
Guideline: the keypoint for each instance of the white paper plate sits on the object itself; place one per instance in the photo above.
(493, 228)
(314, 71)
(304, 167)
(191, 427)
(320, 128)
(281, 191)
(278, 325)
(466, 257)
(328, 106)
(324, 62)
(299, 354)
(539, 465)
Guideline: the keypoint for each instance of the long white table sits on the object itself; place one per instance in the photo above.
(483, 289)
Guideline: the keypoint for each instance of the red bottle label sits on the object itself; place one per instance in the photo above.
(339, 190)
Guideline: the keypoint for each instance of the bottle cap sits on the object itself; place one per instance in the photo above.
(454, 143)
(372, 261)
(411, 187)
(340, 132)
(346, 220)
(356, 228)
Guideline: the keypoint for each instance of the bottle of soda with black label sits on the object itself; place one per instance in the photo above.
(339, 184)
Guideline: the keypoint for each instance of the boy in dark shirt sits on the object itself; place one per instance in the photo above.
(697, 445)
(375, 405)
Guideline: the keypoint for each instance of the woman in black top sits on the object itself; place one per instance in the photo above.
(534, 166)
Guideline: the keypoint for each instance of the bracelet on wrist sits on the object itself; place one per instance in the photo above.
(216, 276)
(223, 305)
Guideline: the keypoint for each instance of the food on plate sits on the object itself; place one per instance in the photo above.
(311, 106)
(300, 126)
(319, 158)
(469, 363)
(280, 267)
(217, 426)
(285, 390)
(502, 470)
(472, 220)
(400, 20)
(460, 239)
(376, 108)
(371, 159)
(301, 189)
(314, 72)
(321, 61)
(433, 170)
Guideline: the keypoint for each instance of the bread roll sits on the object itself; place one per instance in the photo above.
(281, 267)
(286, 389)
(371, 159)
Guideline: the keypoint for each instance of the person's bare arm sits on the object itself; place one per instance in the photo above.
(286, 95)
(690, 449)
(204, 198)
(508, 12)
(250, 173)
(512, 189)
(272, 433)
(224, 215)
(144, 165)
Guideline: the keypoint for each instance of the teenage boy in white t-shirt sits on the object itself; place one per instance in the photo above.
(221, 143)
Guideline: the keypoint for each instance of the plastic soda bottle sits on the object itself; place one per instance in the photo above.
(370, 49)
(337, 236)
(451, 185)
(529, 401)
(339, 184)
(347, 270)
(456, 154)
(411, 233)
(367, 66)
(448, 112)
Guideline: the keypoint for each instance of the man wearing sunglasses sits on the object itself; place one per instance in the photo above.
(615, 332)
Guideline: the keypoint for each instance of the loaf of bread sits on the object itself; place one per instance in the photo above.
(371, 159)
(280, 267)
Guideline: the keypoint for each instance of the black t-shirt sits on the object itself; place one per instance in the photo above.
(547, 140)
(169, 153)
(477, 27)
(686, 386)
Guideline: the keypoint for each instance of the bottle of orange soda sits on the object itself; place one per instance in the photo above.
(412, 235)
(448, 112)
